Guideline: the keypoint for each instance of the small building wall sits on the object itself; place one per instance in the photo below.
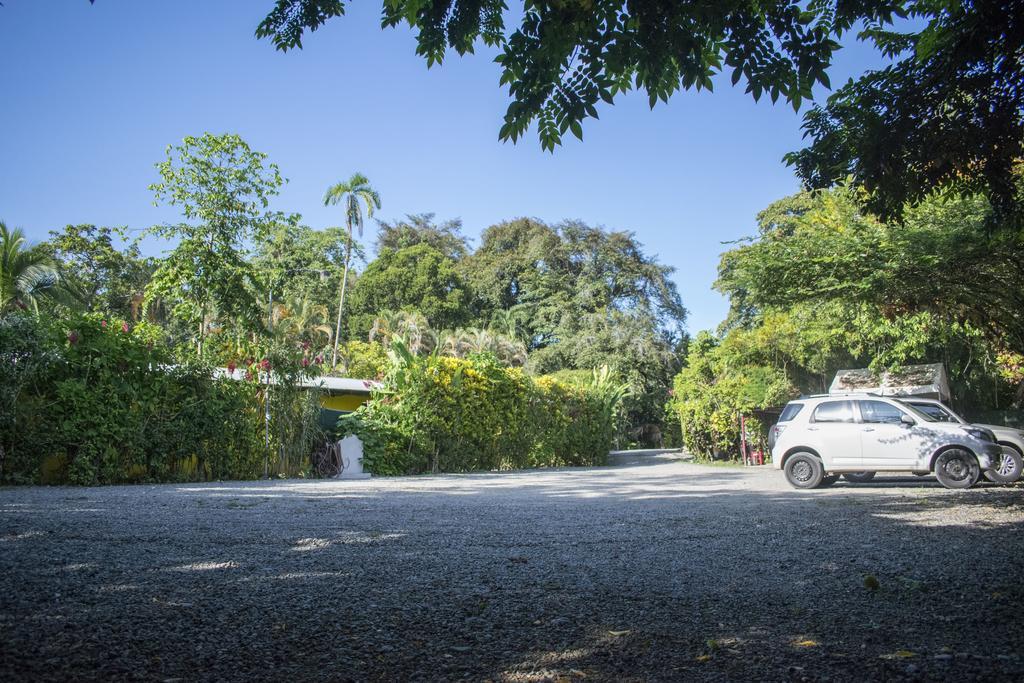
(334, 405)
(343, 402)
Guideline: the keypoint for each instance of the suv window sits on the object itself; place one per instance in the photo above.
(933, 411)
(790, 411)
(833, 411)
(877, 412)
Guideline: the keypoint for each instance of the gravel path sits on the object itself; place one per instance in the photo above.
(651, 570)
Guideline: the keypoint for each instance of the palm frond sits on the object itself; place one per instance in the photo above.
(25, 274)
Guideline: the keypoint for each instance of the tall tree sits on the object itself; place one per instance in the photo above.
(825, 284)
(939, 262)
(584, 298)
(420, 228)
(26, 275)
(302, 263)
(354, 193)
(550, 274)
(105, 278)
(223, 189)
(418, 278)
(522, 266)
(949, 113)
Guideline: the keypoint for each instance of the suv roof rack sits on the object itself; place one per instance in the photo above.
(845, 393)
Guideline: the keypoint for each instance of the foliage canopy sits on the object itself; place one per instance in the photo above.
(948, 111)
(223, 189)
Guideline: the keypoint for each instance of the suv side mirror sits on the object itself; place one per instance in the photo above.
(907, 420)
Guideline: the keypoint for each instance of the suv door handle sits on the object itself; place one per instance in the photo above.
(812, 429)
(869, 429)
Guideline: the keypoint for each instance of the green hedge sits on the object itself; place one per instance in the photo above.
(99, 401)
(440, 414)
(87, 400)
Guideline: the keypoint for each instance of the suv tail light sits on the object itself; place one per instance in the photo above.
(773, 434)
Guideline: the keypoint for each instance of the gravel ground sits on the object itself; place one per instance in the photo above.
(654, 569)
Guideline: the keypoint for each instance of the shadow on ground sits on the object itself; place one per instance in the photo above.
(652, 571)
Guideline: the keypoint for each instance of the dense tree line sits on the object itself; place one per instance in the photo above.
(240, 277)
(826, 284)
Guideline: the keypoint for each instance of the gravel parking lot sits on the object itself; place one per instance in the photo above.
(653, 569)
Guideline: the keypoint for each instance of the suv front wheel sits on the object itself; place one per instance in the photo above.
(804, 471)
(957, 469)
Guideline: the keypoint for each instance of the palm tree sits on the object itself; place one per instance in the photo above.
(353, 193)
(409, 327)
(507, 323)
(466, 341)
(25, 274)
(385, 326)
(303, 319)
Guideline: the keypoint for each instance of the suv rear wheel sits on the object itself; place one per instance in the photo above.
(957, 469)
(1008, 469)
(804, 470)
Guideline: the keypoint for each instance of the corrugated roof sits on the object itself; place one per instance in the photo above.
(349, 385)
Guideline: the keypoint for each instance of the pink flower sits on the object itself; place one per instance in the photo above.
(318, 360)
(72, 337)
(305, 346)
(103, 324)
(231, 367)
(305, 362)
(265, 364)
(124, 327)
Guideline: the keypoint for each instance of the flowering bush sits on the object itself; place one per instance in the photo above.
(446, 414)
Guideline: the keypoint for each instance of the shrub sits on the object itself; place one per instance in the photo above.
(445, 414)
(362, 360)
(101, 401)
(26, 355)
(573, 425)
(713, 390)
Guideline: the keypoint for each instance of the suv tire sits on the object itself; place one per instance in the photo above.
(1008, 469)
(804, 470)
(858, 477)
(957, 468)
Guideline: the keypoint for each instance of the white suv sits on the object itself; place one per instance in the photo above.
(821, 437)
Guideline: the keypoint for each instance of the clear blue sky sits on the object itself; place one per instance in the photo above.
(92, 95)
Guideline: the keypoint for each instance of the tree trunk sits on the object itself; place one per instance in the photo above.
(341, 299)
(1018, 399)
